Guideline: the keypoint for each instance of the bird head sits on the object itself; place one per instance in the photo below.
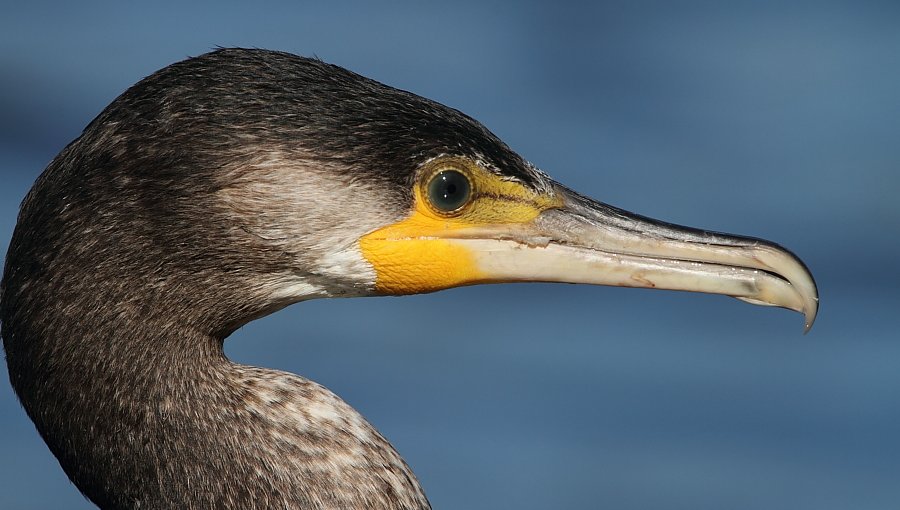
(285, 178)
(413, 197)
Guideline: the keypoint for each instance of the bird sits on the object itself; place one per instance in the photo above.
(230, 185)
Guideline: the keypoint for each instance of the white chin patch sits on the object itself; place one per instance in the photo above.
(348, 265)
(343, 273)
(293, 291)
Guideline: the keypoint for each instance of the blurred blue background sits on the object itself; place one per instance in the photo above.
(773, 119)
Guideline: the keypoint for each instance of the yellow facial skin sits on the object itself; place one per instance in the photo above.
(413, 256)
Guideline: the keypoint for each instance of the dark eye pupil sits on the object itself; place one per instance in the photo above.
(448, 190)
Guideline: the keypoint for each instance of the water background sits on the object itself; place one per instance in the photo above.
(773, 119)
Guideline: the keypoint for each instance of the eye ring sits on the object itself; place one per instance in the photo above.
(448, 191)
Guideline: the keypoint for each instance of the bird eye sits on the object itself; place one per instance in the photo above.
(449, 190)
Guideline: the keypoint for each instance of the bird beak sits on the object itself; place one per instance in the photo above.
(585, 241)
(569, 238)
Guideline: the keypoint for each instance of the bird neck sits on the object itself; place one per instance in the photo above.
(101, 392)
(157, 416)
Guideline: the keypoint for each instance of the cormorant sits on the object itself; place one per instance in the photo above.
(230, 185)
